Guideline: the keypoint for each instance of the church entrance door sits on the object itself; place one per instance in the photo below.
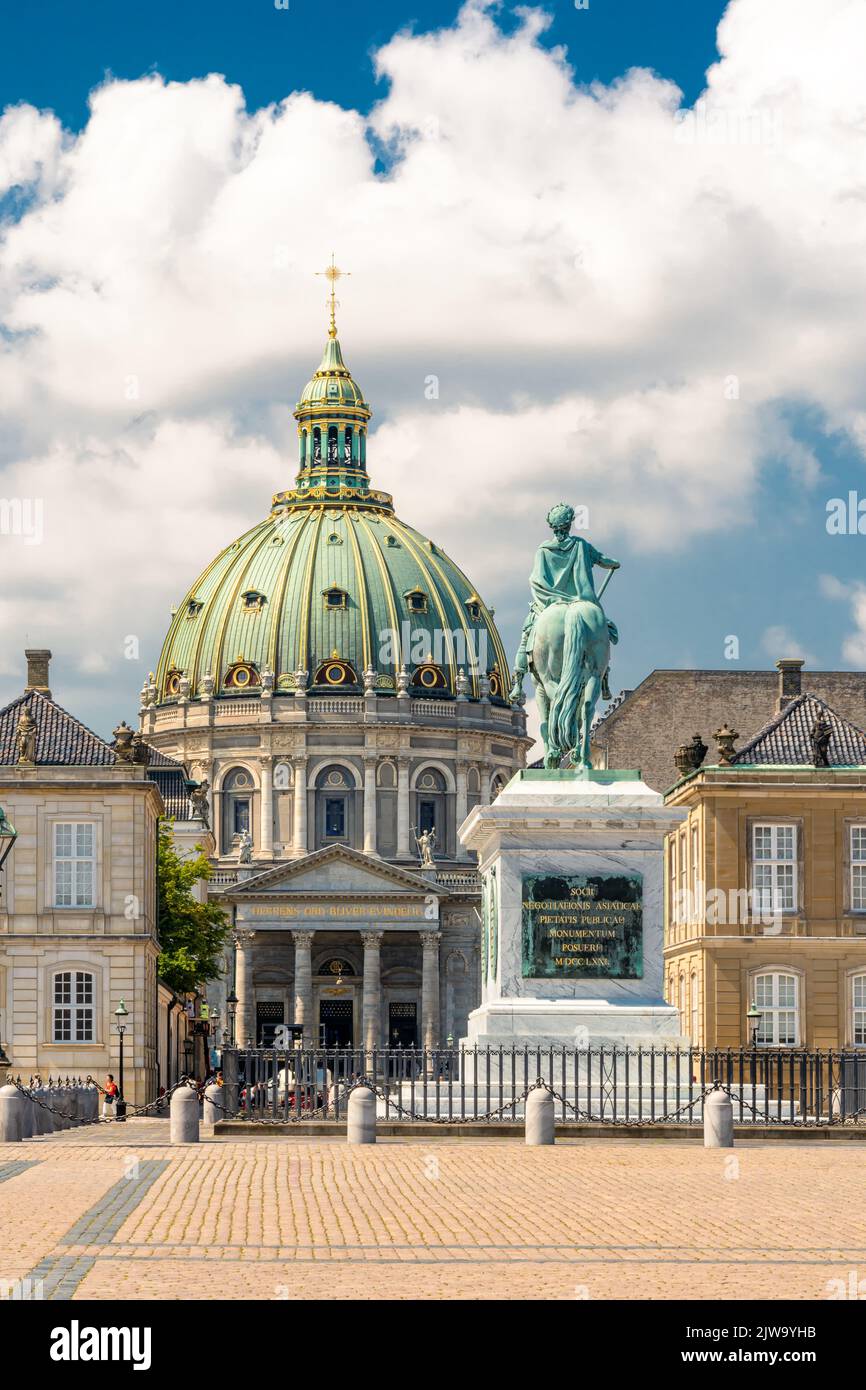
(336, 1023)
(402, 1025)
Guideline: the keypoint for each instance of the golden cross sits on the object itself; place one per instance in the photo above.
(333, 273)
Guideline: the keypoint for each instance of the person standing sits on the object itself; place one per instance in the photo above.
(110, 1093)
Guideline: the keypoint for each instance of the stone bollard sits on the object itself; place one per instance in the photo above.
(28, 1126)
(212, 1110)
(11, 1106)
(45, 1117)
(540, 1118)
(361, 1122)
(184, 1112)
(718, 1121)
(336, 1099)
(89, 1102)
(58, 1102)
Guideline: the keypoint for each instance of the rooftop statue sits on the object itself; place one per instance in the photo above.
(566, 640)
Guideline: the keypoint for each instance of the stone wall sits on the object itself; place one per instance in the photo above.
(668, 707)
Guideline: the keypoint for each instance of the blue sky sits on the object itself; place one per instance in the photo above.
(324, 49)
(583, 271)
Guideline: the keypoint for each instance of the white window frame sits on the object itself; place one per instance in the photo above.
(71, 858)
(857, 869)
(774, 886)
(76, 1008)
(776, 1008)
(857, 1008)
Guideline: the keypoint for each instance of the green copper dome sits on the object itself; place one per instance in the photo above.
(332, 584)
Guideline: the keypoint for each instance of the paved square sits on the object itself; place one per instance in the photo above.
(118, 1213)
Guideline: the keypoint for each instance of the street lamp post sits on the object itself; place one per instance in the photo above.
(121, 1014)
(8, 836)
(232, 1008)
(753, 1019)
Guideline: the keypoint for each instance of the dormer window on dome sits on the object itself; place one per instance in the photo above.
(416, 600)
(335, 597)
(495, 680)
(172, 681)
(430, 677)
(473, 608)
(253, 601)
(241, 675)
(335, 672)
(194, 607)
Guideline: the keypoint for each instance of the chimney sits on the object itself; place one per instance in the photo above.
(37, 670)
(789, 669)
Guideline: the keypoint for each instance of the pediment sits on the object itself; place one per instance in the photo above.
(335, 870)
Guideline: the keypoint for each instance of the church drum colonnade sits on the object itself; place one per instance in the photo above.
(371, 997)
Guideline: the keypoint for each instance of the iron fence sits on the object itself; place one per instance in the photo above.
(639, 1086)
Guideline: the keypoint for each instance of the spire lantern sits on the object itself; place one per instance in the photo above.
(332, 418)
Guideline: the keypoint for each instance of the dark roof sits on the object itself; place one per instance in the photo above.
(785, 742)
(61, 739)
(173, 785)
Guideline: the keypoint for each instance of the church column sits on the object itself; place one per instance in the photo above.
(461, 806)
(369, 805)
(372, 989)
(246, 1017)
(404, 847)
(266, 828)
(299, 817)
(430, 988)
(304, 984)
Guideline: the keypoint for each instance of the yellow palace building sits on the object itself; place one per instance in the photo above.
(766, 885)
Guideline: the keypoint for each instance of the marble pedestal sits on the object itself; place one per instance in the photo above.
(596, 828)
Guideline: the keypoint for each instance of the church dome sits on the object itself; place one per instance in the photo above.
(331, 590)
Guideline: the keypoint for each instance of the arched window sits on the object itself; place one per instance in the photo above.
(682, 1002)
(694, 1020)
(777, 995)
(333, 456)
(317, 445)
(334, 807)
(73, 994)
(348, 442)
(237, 801)
(430, 807)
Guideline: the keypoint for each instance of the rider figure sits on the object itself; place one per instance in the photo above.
(562, 572)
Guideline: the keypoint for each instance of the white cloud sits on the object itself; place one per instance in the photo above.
(586, 282)
(778, 642)
(854, 645)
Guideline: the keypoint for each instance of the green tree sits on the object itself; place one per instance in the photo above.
(192, 935)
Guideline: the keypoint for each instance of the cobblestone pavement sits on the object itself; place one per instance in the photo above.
(117, 1212)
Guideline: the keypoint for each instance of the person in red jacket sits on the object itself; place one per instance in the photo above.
(110, 1094)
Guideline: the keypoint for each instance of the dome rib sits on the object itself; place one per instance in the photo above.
(437, 598)
(280, 602)
(387, 578)
(363, 595)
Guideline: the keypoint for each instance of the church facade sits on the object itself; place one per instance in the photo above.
(338, 688)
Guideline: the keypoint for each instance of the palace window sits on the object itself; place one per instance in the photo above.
(774, 868)
(237, 796)
(334, 791)
(693, 1025)
(74, 864)
(430, 807)
(858, 868)
(777, 995)
(858, 1010)
(672, 881)
(72, 1007)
